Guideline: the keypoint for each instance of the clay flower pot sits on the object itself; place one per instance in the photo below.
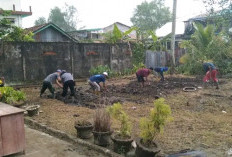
(121, 145)
(143, 151)
(84, 131)
(102, 138)
(33, 110)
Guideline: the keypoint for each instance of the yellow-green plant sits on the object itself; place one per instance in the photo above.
(117, 113)
(153, 125)
(10, 96)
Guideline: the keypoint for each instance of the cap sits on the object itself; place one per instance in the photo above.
(58, 70)
(105, 73)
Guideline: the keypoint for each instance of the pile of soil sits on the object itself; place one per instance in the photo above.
(156, 89)
(87, 98)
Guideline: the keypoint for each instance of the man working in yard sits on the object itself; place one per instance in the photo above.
(161, 71)
(211, 73)
(68, 82)
(141, 73)
(49, 80)
(94, 82)
(2, 81)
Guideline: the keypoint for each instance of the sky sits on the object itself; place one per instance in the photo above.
(101, 13)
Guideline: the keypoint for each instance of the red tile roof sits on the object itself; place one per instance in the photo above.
(35, 28)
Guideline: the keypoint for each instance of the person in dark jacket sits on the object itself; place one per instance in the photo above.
(68, 82)
(161, 71)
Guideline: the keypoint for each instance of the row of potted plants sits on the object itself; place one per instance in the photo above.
(150, 126)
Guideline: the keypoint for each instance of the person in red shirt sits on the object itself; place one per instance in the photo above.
(141, 73)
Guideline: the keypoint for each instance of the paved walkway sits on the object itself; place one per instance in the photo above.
(39, 144)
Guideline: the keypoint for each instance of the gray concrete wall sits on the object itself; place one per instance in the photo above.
(35, 60)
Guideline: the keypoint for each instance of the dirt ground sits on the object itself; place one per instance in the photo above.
(202, 119)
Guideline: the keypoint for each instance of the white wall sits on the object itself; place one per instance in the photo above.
(8, 4)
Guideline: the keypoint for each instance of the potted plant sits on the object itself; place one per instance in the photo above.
(152, 126)
(33, 110)
(102, 128)
(84, 129)
(122, 140)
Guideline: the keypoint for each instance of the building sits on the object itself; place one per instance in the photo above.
(50, 32)
(96, 33)
(87, 34)
(122, 27)
(17, 14)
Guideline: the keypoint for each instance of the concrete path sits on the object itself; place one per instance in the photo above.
(39, 144)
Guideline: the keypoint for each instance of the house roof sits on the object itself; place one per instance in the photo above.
(87, 30)
(119, 24)
(22, 13)
(167, 29)
(39, 28)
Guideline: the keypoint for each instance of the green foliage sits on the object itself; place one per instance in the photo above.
(117, 113)
(157, 44)
(5, 24)
(100, 69)
(219, 13)
(138, 66)
(10, 96)
(138, 51)
(8, 32)
(151, 15)
(40, 21)
(147, 130)
(154, 124)
(19, 34)
(203, 46)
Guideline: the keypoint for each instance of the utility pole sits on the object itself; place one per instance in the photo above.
(173, 32)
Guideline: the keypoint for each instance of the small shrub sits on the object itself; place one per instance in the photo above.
(100, 69)
(10, 96)
(117, 113)
(153, 125)
(138, 66)
(102, 121)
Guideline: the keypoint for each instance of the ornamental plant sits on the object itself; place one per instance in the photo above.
(117, 113)
(102, 121)
(11, 96)
(154, 124)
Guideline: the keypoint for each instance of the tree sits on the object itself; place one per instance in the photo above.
(18, 34)
(8, 32)
(5, 24)
(219, 13)
(150, 16)
(40, 21)
(64, 19)
(203, 46)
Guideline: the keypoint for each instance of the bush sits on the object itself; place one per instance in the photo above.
(10, 96)
(100, 69)
(153, 125)
(138, 53)
(117, 113)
